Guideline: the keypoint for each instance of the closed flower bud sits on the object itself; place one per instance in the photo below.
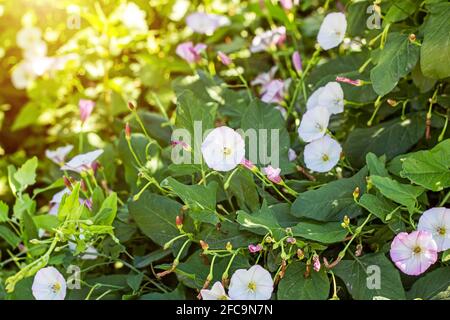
(316, 263)
(67, 183)
(127, 131)
(179, 222)
(300, 254)
(356, 193)
(291, 240)
(412, 37)
(131, 106)
(229, 246)
(204, 245)
(392, 102)
(346, 222)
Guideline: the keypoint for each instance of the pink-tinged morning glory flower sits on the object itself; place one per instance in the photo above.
(322, 154)
(254, 248)
(264, 78)
(223, 149)
(287, 4)
(86, 107)
(226, 60)
(292, 156)
(413, 253)
(273, 174)
(332, 30)
(217, 292)
(314, 124)
(297, 61)
(329, 96)
(349, 81)
(316, 263)
(274, 91)
(268, 39)
(58, 156)
(437, 222)
(56, 201)
(248, 164)
(253, 284)
(82, 162)
(189, 52)
(49, 284)
(205, 23)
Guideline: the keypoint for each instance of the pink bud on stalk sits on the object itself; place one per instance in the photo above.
(316, 263)
(86, 107)
(254, 248)
(349, 81)
(297, 61)
(286, 4)
(127, 131)
(248, 164)
(273, 174)
(226, 60)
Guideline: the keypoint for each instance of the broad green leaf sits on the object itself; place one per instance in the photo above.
(332, 201)
(435, 49)
(217, 239)
(431, 284)
(377, 166)
(378, 206)
(400, 10)
(200, 199)
(10, 237)
(370, 276)
(144, 261)
(3, 212)
(155, 216)
(55, 185)
(26, 174)
(390, 138)
(70, 205)
(107, 211)
(404, 194)
(27, 116)
(396, 60)
(294, 285)
(269, 127)
(29, 227)
(430, 169)
(243, 187)
(46, 221)
(261, 222)
(357, 18)
(329, 232)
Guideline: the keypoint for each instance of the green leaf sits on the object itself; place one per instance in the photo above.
(200, 199)
(329, 232)
(267, 122)
(155, 216)
(369, 276)
(177, 294)
(107, 211)
(3, 212)
(243, 187)
(400, 10)
(70, 205)
(26, 174)
(217, 239)
(46, 222)
(378, 206)
(29, 227)
(435, 49)
(294, 285)
(390, 138)
(261, 222)
(401, 193)
(396, 60)
(429, 169)
(331, 201)
(144, 261)
(10, 237)
(431, 284)
(377, 166)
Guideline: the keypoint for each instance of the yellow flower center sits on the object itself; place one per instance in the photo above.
(252, 286)
(325, 158)
(56, 287)
(441, 231)
(226, 151)
(224, 297)
(417, 250)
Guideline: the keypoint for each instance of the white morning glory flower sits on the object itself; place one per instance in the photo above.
(28, 37)
(133, 18)
(22, 75)
(82, 162)
(265, 78)
(332, 30)
(323, 154)
(49, 284)
(253, 284)
(217, 292)
(58, 156)
(314, 124)
(89, 254)
(205, 23)
(329, 96)
(223, 149)
(437, 222)
(268, 39)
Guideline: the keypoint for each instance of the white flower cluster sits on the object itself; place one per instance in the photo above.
(323, 152)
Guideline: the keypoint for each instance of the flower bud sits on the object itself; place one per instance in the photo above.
(300, 254)
(412, 37)
(254, 248)
(392, 102)
(316, 263)
(229, 246)
(356, 193)
(204, 245)
(291, 240)
(67, 183)
(127, 131)
(226, 60)
(359, 249)
(179, 222)
(356, 83)
(131, 106)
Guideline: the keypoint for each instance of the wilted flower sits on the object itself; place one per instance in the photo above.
(297, 61)
(49, 284)
(86, 107)
(316, 263)
(413, 253)
(205, 23)
(254, 248)
(223, 149)
(82, 162)
(292, 156)
(332, 30)
(226, 60)
(58, 156)
(323, 154)
(217, 292)
(248, 164)
(253, 284)
(268, 39)
(273, 174)
(329, 96)
(437, 222)
(189, 52)
(314, 124)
